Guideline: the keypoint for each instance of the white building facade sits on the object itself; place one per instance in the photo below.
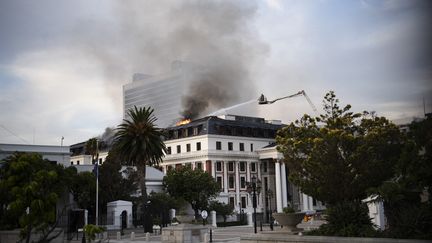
(58, 154)
(234, 149)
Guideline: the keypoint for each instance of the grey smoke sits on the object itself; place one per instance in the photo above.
(218, 36)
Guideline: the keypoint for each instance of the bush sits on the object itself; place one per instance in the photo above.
(91, 230)
(288, 210)
(348, 219)
(232, 223)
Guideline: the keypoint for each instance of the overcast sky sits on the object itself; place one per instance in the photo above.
(63, 63)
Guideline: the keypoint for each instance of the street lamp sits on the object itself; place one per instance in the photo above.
(253, 188)
(269, 194)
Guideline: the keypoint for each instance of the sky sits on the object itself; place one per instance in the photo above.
(63, 63)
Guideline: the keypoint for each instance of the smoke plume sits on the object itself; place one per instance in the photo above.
(217, 36)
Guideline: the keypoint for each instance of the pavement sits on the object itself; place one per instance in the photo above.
(222, 234)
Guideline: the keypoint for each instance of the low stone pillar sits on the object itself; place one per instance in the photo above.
(213, 218)
(249, 219)
(206, 238)
(172, 213)
(147, 237)
(132, 237)
(118, 236)
(187, 233)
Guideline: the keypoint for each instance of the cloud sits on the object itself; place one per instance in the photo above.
(60, 92)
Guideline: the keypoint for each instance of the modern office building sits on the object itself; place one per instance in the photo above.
(234, 150)
(163, 93)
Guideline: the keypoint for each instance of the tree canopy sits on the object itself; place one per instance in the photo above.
(139, 142)
(407, 196)
(337, 157)
(30, 188)
(194, 186)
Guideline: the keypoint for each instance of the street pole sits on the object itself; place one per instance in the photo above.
(97, 183)
(254, 206)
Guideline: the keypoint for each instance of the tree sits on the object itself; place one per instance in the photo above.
(116, 183)
(139, 143)
(161, 203)
(194, 186)
(221, 209)
(83, 189)
(408, 211)
(337, 157)
(33, 187)
(92, 148)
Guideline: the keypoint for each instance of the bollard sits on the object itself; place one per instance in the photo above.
(206, 237)
(118, 236)
(260, 225)
(147, 237)
(132, 236)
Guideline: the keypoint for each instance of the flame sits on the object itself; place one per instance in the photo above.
(183, 122)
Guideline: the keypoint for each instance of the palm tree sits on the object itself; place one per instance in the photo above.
(92, 148)
(139, 142)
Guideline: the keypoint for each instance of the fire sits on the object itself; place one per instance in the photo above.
(183, 122)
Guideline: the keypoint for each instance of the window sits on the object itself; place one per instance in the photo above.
(219, 181)
(231, 182)
(175, 134)
(230, 146)
(241, 146)
(265, 184)
(195, 131)
(242, 166)
(188, 147)
(218, 166)
(169, 167)
(265, 166)
(242, 182)
(198, 146)
(218, 145)
(253, 167)
(100, 161)
(178, 149)
(314, 202)
(169, 150)
(251, 147)
(198, 165)
(231, 166)
(77, 162)
(243, 202)
(231, 202)
(71, 162)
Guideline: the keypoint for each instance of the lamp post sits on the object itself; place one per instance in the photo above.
(253, 188)
(269, 194)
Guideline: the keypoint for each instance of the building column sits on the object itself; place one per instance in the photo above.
(237, 183)
(248, 172)
(225, 176)
(278, 187)
(213, 168)
(306, 202)
(284, 186)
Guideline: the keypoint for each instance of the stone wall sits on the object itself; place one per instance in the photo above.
(285, 238)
